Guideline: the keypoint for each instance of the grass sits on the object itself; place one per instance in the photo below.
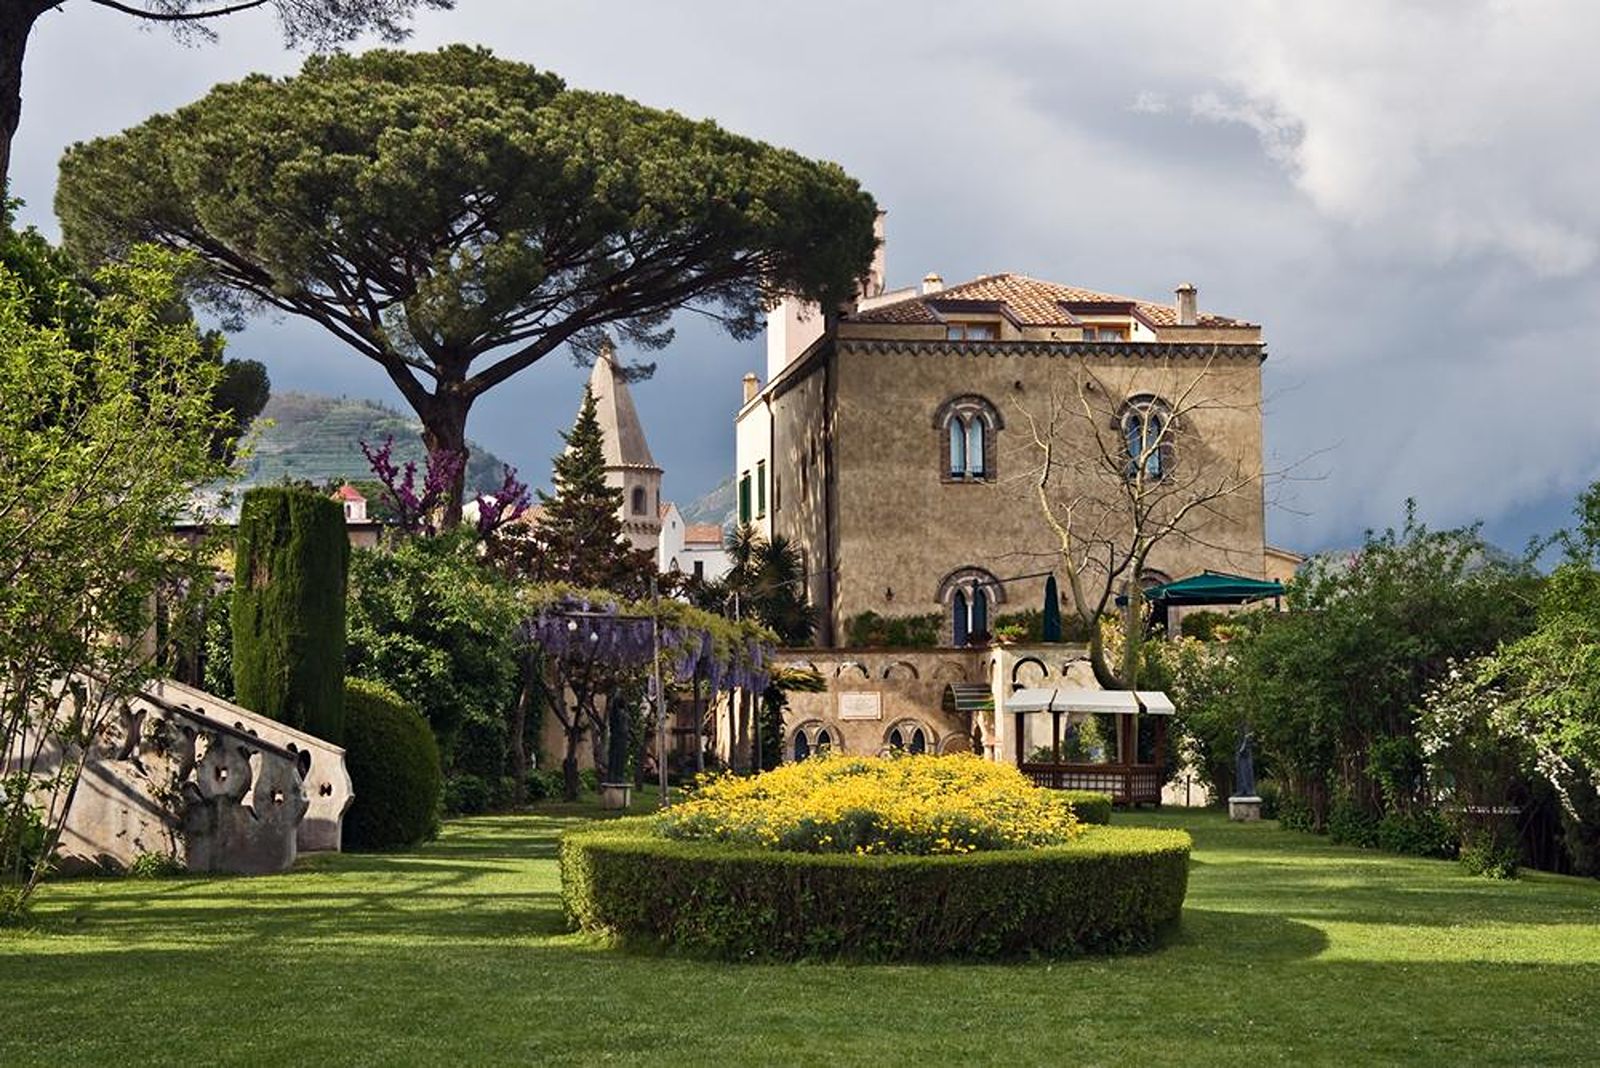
(1291, 950)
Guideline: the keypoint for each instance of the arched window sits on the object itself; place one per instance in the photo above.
(638, 500)
(1147, 433)
(812, 739)
(969, 595)
(909, 736)
(968, 426)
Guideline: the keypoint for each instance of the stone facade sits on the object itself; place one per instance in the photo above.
(854, 436)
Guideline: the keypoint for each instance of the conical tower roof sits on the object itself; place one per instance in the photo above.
(625, 445)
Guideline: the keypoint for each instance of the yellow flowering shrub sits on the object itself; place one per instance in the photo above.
(896, 804)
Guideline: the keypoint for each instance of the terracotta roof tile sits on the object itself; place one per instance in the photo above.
(347, 492)
(1034, 303)
(702, 534)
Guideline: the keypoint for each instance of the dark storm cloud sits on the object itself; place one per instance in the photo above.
(1400, 192)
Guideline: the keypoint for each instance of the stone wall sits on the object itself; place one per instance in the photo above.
(902, 527)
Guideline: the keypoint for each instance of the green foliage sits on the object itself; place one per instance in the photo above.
(59, 294)
(869, 630)
(1424, 833)
(457, 217)
(433, 623)
(1111, 890)
(580, 539)
(768, 575)
(105, 429)
(1204, 625)
(1490, 857)
(156, 866)
(544, 785)
(288, 620)
(466, 794)
(1350, 824)
(1090, 806)
(394, 769)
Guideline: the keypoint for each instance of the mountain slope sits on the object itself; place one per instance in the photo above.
(306, 436)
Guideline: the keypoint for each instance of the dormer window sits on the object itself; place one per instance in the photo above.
(971, 331)
(1105, 333)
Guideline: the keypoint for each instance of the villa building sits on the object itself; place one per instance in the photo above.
(896, 443)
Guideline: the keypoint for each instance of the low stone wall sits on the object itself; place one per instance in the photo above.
(873, 691)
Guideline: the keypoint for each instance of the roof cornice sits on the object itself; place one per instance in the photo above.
(1144, 350)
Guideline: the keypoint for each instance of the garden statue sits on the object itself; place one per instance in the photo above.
(1244, 805)
(1244, 779)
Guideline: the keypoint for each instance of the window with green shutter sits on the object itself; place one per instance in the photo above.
(744, 497)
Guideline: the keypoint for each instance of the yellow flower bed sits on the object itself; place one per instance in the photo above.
(899, 804)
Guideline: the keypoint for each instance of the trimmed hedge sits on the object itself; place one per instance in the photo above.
(394, 769)
(291, 558)
(1090, 806)
(1111, 890)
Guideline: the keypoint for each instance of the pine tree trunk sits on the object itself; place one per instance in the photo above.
(444, 428)
(16, 22)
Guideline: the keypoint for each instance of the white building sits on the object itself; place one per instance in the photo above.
(691, 548)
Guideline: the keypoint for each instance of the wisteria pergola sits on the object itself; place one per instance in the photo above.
(592, 642)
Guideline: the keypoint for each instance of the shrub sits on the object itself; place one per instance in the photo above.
(1271, 798)
(870, 630)
(899, 804)
(543, 785)
(1295, 813)
(1109, 890)
(589, 780)
(288, 623)
(467, 795)
(394, 769)
(1490, 858)
(1422, 834)
(155, 866)
(1090, 806)
(1349, 824)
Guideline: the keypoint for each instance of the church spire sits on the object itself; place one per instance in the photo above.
(619, 420)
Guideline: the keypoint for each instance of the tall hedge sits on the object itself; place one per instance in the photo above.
(394, 768)
(290, 563)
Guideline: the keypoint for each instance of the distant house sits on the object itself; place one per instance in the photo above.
(362, 530)
(691, 548)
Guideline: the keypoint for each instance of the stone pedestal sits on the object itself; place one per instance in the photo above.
(1244, 809)
(615, 794)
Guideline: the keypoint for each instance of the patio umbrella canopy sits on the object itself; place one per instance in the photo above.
(1210, 587)
(1072, 699)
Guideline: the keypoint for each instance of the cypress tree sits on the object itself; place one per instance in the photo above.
(291, 559)
(1052, 611)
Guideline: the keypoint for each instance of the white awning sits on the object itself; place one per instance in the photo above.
(1073, 699)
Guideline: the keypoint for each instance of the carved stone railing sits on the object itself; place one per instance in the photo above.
(181, 773)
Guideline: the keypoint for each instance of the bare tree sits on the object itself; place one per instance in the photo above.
(1136, 457)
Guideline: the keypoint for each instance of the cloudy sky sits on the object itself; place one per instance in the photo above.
(1404, 194)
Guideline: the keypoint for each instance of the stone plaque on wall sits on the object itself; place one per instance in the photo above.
(860, 705)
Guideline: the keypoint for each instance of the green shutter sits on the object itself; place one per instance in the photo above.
(744, 498)
(761, 488)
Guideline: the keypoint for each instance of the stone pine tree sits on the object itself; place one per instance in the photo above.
(291, 560)
(456, 218)
(320, 23)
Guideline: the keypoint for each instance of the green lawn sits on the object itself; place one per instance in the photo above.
(1290, 950)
